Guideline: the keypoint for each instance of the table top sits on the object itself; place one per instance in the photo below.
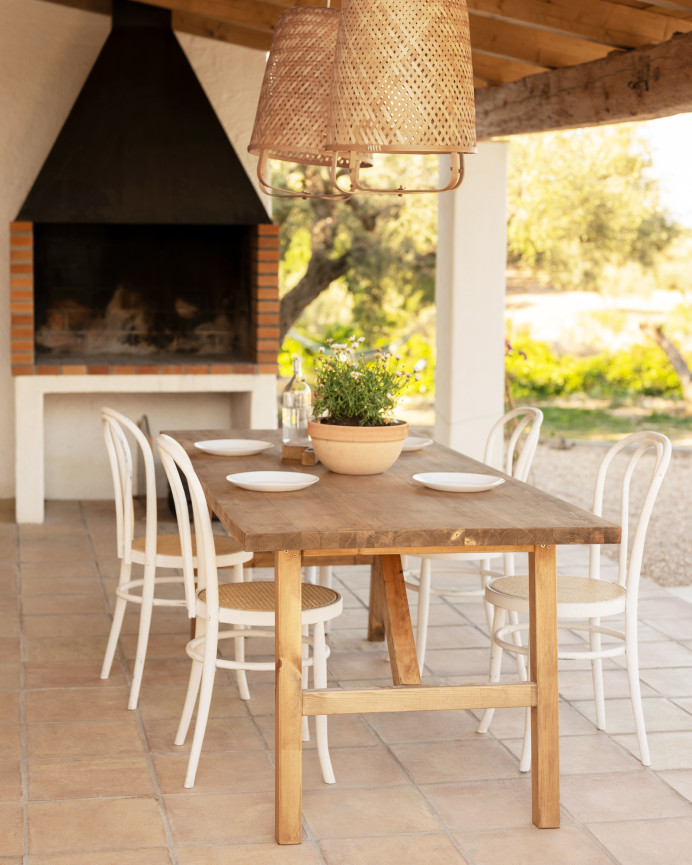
(390, 510)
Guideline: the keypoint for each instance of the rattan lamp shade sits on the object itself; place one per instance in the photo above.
(403, 82)
(291, 119)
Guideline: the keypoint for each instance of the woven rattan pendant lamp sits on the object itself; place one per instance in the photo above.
(402, 83)
(291, 118)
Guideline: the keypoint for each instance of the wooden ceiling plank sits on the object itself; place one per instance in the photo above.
(599, 21)
(222, 31)
(498, 70)
(244, 13)
(637, 85)
(102, 6)
(538, 47)
(673, 4)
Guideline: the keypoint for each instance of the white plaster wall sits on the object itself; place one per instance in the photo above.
(46, 53)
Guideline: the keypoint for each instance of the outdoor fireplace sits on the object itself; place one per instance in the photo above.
(142, 241)
(143, 260)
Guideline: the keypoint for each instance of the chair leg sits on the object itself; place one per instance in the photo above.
(199, 626)
(495, 667)
(117, 624)
(239, 644)
(423, 611)
(319, 659)
(597, 675)
(143, 635)
(189, 705)
(205, 692)
(632, 652)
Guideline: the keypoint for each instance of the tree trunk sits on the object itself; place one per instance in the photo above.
(320, 273)
(677, 361)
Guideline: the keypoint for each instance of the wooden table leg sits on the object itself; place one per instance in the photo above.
(376, 607)
(545, 743)
(397, 622)
(289, 698)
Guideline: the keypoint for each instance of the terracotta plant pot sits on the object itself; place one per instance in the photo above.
(357, 450)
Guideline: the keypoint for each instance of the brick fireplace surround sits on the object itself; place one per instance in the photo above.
(250, 385)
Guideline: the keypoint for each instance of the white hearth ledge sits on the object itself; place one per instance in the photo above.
(253, 406)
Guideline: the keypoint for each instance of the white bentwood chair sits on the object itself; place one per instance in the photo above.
(152, 551)
(591, 597)
(511, 446)
(249, 607)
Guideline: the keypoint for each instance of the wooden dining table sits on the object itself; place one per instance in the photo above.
(385, 516)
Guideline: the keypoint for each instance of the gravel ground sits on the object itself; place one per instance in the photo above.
(570, 473)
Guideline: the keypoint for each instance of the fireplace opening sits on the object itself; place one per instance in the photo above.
(104, 292)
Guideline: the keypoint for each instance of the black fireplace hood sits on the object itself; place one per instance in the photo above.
(142, 144)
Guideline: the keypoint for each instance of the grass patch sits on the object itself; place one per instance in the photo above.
(609, 424)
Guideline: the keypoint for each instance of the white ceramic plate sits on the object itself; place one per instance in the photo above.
(458, 482)
(272, 482)
(415, 443)
(232, 447)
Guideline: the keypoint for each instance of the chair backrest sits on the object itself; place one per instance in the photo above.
(524, 427)
(629, 566)
(114, 426)
(175, 460)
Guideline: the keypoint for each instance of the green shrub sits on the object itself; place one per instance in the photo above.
(537, 372)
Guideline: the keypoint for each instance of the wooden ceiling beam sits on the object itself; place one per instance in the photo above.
(595, 20)
(537, 47)
(637, 85)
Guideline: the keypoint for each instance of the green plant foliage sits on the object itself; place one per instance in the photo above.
(642, 370)
(352, 387)
(582, 199)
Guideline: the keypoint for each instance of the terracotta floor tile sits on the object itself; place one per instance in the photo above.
(9, 676)
(83, 739)
(221, 818)
(249, 854)
(669, 750)
(582, 755)
(10, 781)
(240, 771)
(127, 824)
(10, 708)
(480, 805)
(578, 685)
(71, 675)
(680, 780)
(89, 778)
(66, 625)
(345, 731)
(12, 830)
(354, 767)
(83, 603)
(222, 734)
(334, 813)
(675, 682)
(9, 650)
(8, 548)
(463, 760)
(61, 584)
(77, 704)
(52, 571)
(608, 798)
(166, 702)
(393, 727)
(531, 846)
(647, 842)
(509, 723)
(410, 849)
(150, 856)
(659, 714)
(41, 650)
(10, 743)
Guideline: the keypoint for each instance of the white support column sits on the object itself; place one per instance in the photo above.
(470, 301)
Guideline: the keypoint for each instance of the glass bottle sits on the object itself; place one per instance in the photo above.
(296, 407)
